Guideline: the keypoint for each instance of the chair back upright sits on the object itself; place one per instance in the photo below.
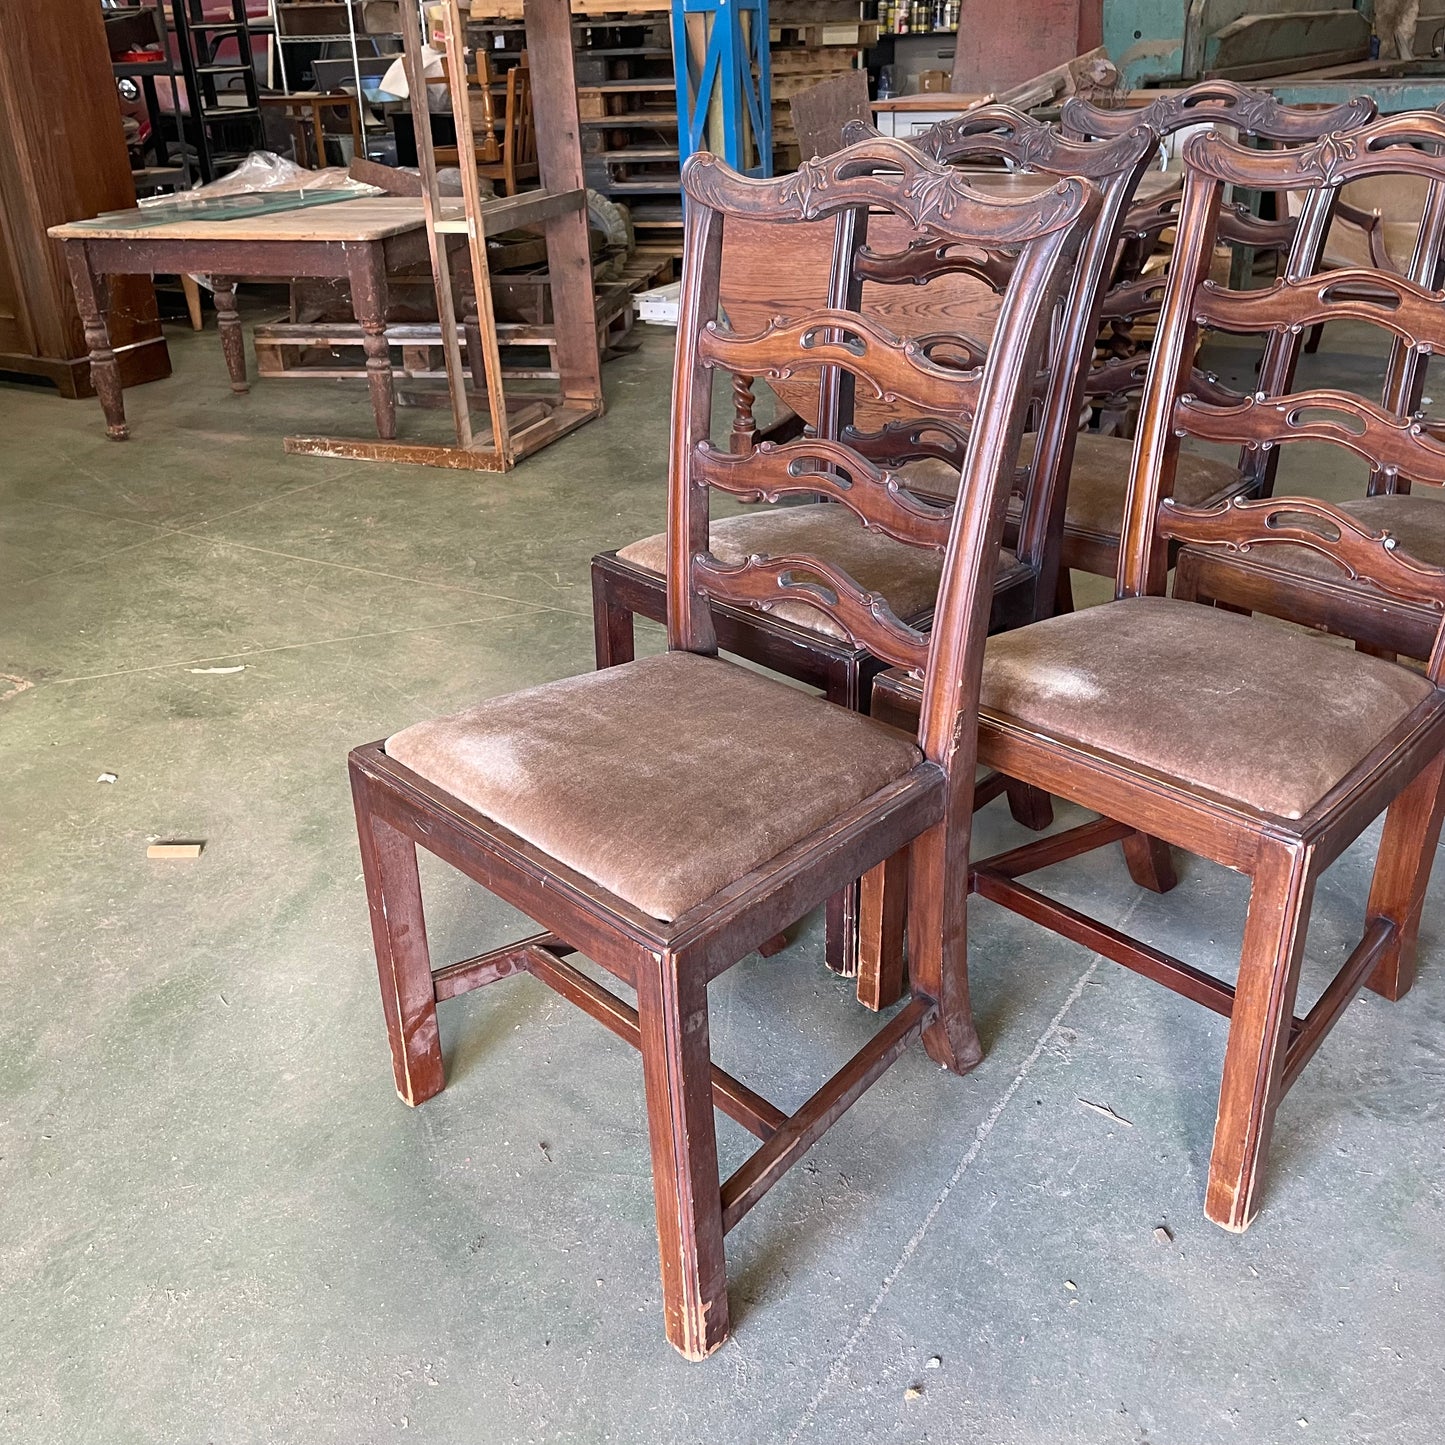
(1392, 441)
(889, 176)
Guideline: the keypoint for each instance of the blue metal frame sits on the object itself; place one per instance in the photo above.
(735, 68)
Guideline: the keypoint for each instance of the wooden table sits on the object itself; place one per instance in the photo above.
(357, 240)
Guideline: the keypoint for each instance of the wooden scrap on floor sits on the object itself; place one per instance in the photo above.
(175, 849)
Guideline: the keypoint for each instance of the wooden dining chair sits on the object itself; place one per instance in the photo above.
(666, 816)
(810, 647)
(517, 160)
(1265, 748)
(1101, 468)
(1407, 151)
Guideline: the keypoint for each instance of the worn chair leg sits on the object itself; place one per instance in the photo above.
(938, 942)
(613, 635)
(1029, 805)
(1274, 935)
(676, 1067)
(398, 931)
(1151, 864)
(882, 968)
(1402, 872)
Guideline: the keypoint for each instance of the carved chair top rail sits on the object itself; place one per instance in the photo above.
(892, 175)
(1392, 146)
(1000, 130)
(1220, 102)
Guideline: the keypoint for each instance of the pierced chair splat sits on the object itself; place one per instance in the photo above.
(908, 417)
(668, 815)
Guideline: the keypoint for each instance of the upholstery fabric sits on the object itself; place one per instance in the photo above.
(663, 780)
(1416, 519)
(907, 576)
(1098, 481)
(1263, 714)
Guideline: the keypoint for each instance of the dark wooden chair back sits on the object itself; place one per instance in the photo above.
(845, 348)
(1222, 103)
(1116, 166)
(1387, 437)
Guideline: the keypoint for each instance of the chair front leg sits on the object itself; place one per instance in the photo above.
(938, 942)
(1274, 936)
(398, 930)
(1402, 872)
(676, 1067)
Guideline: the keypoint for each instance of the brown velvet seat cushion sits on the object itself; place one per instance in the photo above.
(1415, 519)
(1260, 713)
(663, 780)
(907, 576)
(1098, 481)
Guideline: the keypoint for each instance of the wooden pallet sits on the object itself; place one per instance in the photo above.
(593, 9)
(857, 34)
(795, 60)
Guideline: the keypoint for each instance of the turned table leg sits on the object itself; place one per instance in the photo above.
(104, 372)
(233, 341)
(368, 304)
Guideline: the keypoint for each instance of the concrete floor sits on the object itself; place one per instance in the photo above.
(218, 1224)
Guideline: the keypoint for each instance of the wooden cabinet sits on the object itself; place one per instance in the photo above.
(62, 158)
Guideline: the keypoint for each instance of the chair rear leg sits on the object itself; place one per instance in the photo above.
(840, 930)
(882, 968)
(1151, 864)
(1274, 935)
(1029, 805)
(612, 629)
(676, 1068)
(403, 963)
(1402, 872)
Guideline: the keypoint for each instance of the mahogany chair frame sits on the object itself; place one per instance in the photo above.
(923, 815)
(1306, 297)
(843, 671)
(1402, 776)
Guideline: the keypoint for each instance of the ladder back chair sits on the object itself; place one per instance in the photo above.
(806, 645)
(1101, 469)
(1265, 748)
(1295, 583)
(666, 816)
